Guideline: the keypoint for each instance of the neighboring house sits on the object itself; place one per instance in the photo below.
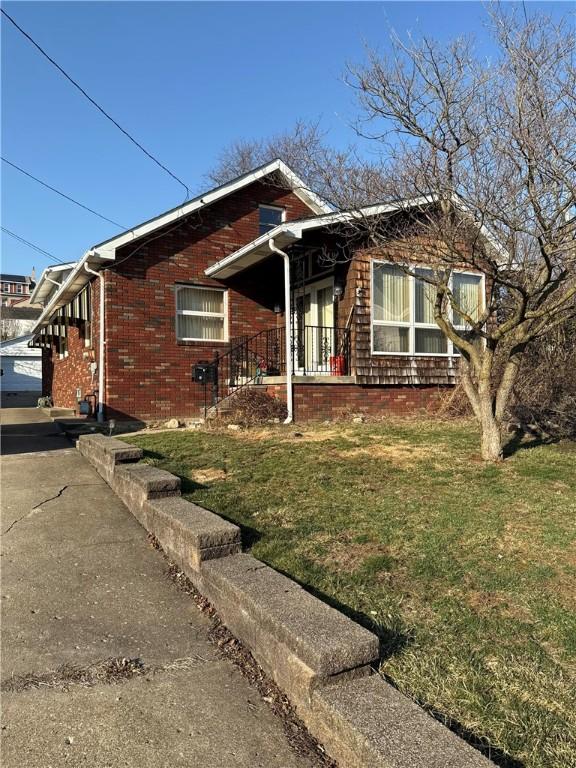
(211, 280)
(17, 319)
(13, 287)
(21, 365)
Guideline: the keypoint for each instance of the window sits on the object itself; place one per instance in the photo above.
(403, 310)
(6, 287)
(270, 217)
(62, 337)
(19, 288)
(201, 313)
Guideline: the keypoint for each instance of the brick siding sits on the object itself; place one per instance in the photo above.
(316, 402)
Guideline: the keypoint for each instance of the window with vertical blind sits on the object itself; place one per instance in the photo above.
(200, 313)
(403, 310)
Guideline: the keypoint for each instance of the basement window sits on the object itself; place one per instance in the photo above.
(270, 217)
(201, 313)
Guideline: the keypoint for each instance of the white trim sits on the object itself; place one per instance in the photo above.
(411, 324)
(105, 252)
(297, 186)
(289, 231)
(267, 207)
(224, 315)
(311, 289)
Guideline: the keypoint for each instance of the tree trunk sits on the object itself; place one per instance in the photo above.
(492, 448)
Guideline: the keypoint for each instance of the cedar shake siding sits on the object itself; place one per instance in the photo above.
(385, 369)
(148, 370)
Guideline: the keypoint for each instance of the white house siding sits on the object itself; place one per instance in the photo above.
(21, 380)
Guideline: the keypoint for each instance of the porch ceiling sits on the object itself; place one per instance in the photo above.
(256, 251)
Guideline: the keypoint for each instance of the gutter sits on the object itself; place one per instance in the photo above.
(100, 276)
(289, 399)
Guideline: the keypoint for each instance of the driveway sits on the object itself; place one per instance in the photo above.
(105, 662)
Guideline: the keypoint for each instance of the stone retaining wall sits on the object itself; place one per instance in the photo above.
(322, 660)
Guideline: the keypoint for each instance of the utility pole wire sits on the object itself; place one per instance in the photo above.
(66, 197)
(31, 245)
(95, 103)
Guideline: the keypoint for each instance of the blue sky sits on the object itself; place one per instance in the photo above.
(185, 79)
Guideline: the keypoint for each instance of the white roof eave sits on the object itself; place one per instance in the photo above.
(105, 252)
(77, 279)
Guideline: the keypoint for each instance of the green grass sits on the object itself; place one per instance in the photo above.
(467, 571)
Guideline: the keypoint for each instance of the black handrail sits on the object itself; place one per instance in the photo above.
(322, 350)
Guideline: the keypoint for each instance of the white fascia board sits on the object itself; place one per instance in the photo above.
(39, 293)
(258, 249)
(75, 281)
(105, 252)
(296, 184)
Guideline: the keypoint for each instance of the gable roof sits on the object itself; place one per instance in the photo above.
(288, 232)
(14, 278)
(18, 347)
(293, 182)
(104, 253)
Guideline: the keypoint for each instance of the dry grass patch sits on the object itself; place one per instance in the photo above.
(399, 454)
(208, 475)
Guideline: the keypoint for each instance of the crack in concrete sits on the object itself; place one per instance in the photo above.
(57, 496)
(109, 671)
(45, 501)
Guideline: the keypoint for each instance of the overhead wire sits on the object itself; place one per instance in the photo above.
(95, 103)
(57, 191)
(32, 245)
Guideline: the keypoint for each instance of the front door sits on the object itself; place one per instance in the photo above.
(314, 328)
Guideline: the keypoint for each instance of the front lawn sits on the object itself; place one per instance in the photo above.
(466, 570)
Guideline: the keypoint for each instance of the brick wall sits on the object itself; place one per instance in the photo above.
(148, 372)
(61, 377)
(314, 402)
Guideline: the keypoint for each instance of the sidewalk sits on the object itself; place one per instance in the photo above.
(80, 586)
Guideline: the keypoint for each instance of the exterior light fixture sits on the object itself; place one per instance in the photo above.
(277, 308)
(338, 291)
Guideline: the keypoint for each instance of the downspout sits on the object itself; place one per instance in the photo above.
(100, 413)
(288, 343)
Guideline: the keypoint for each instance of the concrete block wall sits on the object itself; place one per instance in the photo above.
(322, 660)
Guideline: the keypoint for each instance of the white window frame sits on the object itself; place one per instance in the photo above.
(19, 288)
(412, 325)
(223, 315)
(271, 208)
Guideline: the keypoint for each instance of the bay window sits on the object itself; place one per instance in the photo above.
(403, 310)
(200, 313)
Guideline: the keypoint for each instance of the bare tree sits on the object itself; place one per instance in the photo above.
(339, 176)
(488, 148)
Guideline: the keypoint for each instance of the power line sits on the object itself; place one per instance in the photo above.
(31, 245)
(66, 197)
(95, 103)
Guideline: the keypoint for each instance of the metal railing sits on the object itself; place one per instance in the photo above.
(316, 350)
(321, 350)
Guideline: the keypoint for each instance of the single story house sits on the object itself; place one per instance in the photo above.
(254, 283)
(21, 366)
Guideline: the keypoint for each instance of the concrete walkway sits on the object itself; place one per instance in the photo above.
(80, 586)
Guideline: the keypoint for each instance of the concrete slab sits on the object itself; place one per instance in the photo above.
(171, 719)
(81, 584)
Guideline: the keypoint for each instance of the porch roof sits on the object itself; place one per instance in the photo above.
(103, 254)
(290, 231)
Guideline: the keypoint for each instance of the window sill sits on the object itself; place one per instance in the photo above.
(200, 342)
